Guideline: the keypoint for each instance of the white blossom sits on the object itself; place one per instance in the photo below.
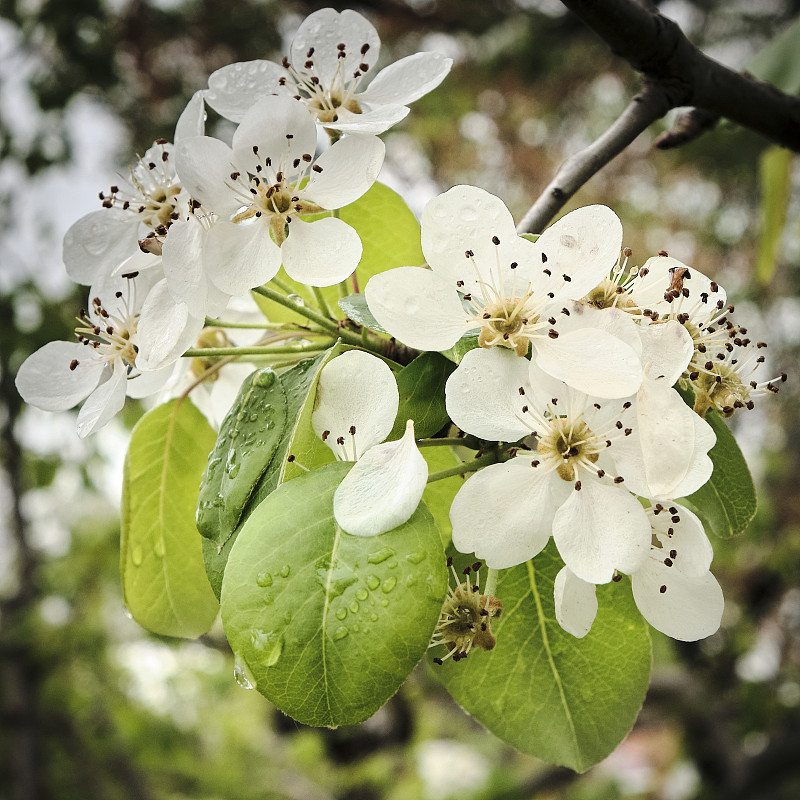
(259, 190)
(100, 367)
(332, 55)
(356, 407)
(484, 277)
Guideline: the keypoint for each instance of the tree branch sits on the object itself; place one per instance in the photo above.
(648, 106)
(674, 74)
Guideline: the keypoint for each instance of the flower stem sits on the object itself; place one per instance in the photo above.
(322, 302)
(492, 457)
(283, 286)
(453, 441)
(272, 326)
(490, 587)
(258, 351)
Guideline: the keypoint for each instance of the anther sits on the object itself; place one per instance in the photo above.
(73, 365)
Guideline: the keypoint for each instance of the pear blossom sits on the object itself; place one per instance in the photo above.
(673, 588)
(570, 486)
(484, 277)
(330, 58)
(356, 407)
(100, 367)
(259, 190)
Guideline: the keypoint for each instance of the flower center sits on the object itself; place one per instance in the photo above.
(609, 294)
(110, 335)
(508, 323)
(569, 444)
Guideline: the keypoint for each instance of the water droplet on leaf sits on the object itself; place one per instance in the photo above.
(241, 673)
(388, 585)
(380, 556)
(264, 579)
(340, 633)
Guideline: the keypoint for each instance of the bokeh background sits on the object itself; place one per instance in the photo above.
(91, 706)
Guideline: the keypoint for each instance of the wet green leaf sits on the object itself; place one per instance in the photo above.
(421, 385)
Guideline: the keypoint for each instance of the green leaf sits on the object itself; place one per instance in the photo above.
(248, 438)
(390, 237)
(297, 387)
(567, 701)
(779, 61)
(727, 503)
(356, 308)
(328, 624)
(774, 174)
(421, 386)
(163, 580)
(438, 496)
(461, 348)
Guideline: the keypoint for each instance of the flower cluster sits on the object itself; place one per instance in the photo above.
(576, 364)
(198, 224)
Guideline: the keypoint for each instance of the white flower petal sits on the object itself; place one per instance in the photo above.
(592, 361)
(182, 258)
(600, 529)
(349, 168)
(667, 348)
(266, 126)
(465, 218)
(383, 489)
(146, 384)
(408, 79)
(98, 242)
(648, 291)
(165, 330)
(324, 30)
(321, 253)
(239, 256)
(503, 513)
(417, 307)
(104, 402)
(234, 89)
(355, 389)
(46, 381)
(584, 245)
(576, 603)
(192, 121)
(684, 542)
(483, 397)
(700, 464)
(690, 608)
(370, 120)
(204, 166)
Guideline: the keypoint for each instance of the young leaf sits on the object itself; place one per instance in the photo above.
(567, 701)
(356, 308)
(727, 503)
(390, 237)
(774, 178)
(247, 441)
(421, 387)
(328, 624)
(297, 388)
(466, 343)
(163, 581)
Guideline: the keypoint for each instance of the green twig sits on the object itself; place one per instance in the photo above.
(453, 441)
(202, 352)
(491, 457)
(271, 326)
(322, 302)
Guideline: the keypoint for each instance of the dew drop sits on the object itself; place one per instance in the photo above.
(241, 674)
(285, 570)
(268, 599)
(373, 581)
(264, 579)
(127, 612)
(385, 602)
(362, 594)
(388, 585)
(269, 645)
(373, 616)
(264, 379)
(158, 547)
(340, 633)
(137, 556)
(380, 556)
(415, 558)
(411, 580)
(354, 607)
(233, 470)
(341, 613)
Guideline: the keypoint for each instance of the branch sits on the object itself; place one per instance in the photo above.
(674, 74)
(658, 48)
(648, 106)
